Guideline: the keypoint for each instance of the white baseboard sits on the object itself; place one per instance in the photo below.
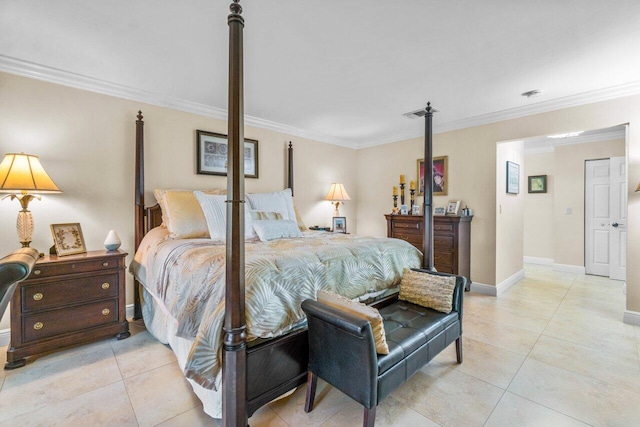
(483, 289)
(537, 260)
(631, 317)
(577, 269)
(5, 334)
(509, 282)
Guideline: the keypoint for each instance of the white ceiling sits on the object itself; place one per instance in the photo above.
(339, 71)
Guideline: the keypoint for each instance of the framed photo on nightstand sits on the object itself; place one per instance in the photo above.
(68, 239)
(339, 224)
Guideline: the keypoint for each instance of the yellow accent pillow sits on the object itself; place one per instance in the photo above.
(359, 310)
(427, 290)
(262, 215)
(182, 214)
(301, 225)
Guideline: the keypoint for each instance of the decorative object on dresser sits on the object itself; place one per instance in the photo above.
(513, 178)
(339, 224)
(66, 301)
(112, 242)
(415, 210)
(453, 207)
(451, 240)
(439, 210)
(538, 184)
(395, 209)
(67, 239)
(336, 195)
(24, 178)
(212, 154)
(440, 178)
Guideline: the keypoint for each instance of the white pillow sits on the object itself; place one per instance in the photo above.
(273, 229)
(215, 212)
(280, 201)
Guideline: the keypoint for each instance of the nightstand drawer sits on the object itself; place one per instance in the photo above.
(71, 267)
(55, 294)
(51, 323)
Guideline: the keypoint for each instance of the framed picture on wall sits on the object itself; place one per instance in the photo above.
(212, 151)
(513, 178)
(538, 184)
(440, 178)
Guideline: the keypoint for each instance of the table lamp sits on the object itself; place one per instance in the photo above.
(23, 177)
(337, 194)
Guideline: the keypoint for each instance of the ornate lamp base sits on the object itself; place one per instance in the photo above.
(25, 227)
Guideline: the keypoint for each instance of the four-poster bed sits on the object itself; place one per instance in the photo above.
(252, 373)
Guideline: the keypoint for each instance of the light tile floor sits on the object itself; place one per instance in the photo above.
(551, 351)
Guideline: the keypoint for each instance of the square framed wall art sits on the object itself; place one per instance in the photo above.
(538, 184)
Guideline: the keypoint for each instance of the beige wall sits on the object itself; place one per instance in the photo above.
(510, 212)
(86, 142)
(538, 207)
(569, 193)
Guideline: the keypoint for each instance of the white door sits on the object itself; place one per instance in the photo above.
(618, 217)
(596, 217)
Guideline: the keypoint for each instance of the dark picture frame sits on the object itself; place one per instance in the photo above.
(537, 184)
(212, 154)
(68, 239)
(339, 224)
(440, 176)
(513, 178)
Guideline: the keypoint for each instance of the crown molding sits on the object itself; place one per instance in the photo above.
(79, 81)
(547, 145)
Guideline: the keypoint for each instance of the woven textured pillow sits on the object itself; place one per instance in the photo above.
(363, 312)
(427, 290)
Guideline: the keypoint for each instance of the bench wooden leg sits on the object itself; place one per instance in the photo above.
(459, 349)
(312, 382)
(369, 417)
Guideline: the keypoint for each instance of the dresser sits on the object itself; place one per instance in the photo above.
(451, 239)
(68, 300)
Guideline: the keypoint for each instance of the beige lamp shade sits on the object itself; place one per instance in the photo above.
(23, 173)
(337, 194)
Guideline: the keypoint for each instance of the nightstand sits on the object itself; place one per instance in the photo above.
(68, 300)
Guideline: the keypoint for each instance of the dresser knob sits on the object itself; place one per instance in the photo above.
(105, 264)
(37, 272)
(105, 285)
(38, 296)
(38, 326)
(105, 311)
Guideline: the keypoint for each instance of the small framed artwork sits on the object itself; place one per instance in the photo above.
(439, 210)
(404, 210)
(538, 184)
(68, 239)
(513, 178)
(339, 224)
(440, 180)
(212, 151)
(415, 210)
(453, 207)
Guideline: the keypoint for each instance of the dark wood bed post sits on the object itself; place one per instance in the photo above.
(427, 260)
(234, 355)
(139, 212)
(290, 169)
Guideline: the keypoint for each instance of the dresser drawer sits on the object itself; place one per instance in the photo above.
(442, 227)
(39, 296)
(415, 239)
(442, 258)
(52, 323)
(408, 225)
(79, 266)
(443, 242)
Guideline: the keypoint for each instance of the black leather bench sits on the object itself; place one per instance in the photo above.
(342, 350)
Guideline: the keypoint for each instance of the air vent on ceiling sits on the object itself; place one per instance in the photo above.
(418, 113)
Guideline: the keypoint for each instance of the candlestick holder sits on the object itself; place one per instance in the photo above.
(413, 195)
(395, 204)
(401, 193)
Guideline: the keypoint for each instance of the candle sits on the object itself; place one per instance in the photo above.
(401, 179)
(395, 190)
(412, 185)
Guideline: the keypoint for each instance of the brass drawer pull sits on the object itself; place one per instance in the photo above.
(105, 285)
(38, 296)
(37, 272)
(38, 326)
(105, 311)
(105, 264)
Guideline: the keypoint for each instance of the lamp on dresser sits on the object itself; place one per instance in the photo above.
(336, 195)
(24, 178)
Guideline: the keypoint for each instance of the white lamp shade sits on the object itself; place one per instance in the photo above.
(24, 173)
(337, 193)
